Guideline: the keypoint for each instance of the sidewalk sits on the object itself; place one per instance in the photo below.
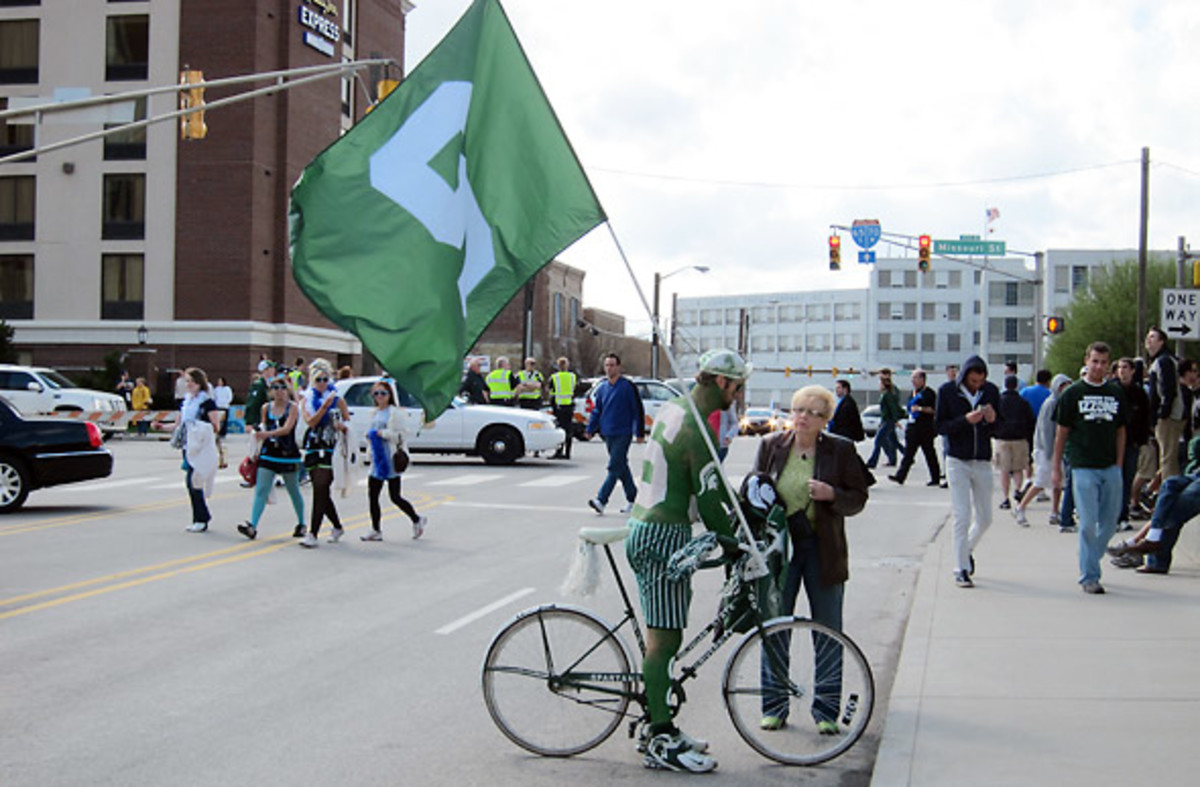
(1025, 680)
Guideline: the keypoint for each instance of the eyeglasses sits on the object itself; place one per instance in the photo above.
(810, 413)
(379, 393)
(278, 387)
(320, 379)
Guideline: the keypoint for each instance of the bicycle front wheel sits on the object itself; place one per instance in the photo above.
(799, 692)
(557, 681)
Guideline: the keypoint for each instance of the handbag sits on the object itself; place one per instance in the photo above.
(400, 460)
(248, 469)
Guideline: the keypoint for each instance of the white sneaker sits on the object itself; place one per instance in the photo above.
(197, 527)
(371, 535)
(670, 752)
(336, 535)
(1019, 513)
(419, 527)
(596, 505)
(310, 541)
(628, 507)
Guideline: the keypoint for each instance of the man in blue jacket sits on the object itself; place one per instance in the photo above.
(618, 416)
(967, 412)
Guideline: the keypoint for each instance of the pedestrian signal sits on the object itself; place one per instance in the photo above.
(835, 252)
(1054, 325)
(923, 249)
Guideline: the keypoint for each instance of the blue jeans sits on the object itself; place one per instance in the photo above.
(196, 497)
(825, 606)
(1066, 507)
(1178, 501)
(1098, 501)
(886, 441)
(618, 468)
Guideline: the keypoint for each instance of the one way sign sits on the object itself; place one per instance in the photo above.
(1181, 314)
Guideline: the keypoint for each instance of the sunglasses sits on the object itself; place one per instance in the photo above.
(379, 393)
(320, 379)
(278, 387)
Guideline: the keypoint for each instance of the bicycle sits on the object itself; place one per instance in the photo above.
(557, 679)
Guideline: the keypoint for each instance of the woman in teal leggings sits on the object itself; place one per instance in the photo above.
(279, 456)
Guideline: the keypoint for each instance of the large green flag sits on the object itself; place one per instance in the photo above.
(416, 228)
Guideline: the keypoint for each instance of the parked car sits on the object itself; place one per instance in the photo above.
(500, 435)
(36, 390)
(41, 452)
(870, 416)
(652, 392)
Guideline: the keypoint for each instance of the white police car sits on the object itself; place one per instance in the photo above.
(499, 435)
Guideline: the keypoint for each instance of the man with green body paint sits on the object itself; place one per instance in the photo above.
(680, 482)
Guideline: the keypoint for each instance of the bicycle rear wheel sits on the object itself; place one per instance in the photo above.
(812, 678)
(552, 681)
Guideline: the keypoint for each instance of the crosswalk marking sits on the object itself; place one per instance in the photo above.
(470, 479)
(108, 485)
(555, 480)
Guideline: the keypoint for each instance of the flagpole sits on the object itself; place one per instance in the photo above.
(758, 566)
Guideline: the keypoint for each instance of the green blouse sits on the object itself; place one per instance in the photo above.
(793, 485)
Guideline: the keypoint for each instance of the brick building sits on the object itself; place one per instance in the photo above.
(187, 240)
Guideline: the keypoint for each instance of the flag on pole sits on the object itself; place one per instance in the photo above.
(992, 214)
(418, 226)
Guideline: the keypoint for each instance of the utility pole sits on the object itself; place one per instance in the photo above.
(1181, 282)
(1039, 292)
(1145, 221)
(654, 329)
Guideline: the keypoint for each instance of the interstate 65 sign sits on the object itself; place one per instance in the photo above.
(866, 233)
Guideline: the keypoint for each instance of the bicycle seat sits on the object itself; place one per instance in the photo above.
(603, 535)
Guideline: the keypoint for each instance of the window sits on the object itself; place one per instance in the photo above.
(978, 307)
(818, 312)
(954, 312)
(910, 341)
(885, 310)
(885, 278)
(1011, 295)
(764, 314)
(910, 311)
(927, 342)
(978, 278)
(761, 344)
(847, 311)
(14, 137)
(124, 216)
(686, 317)
(19, 51)
(18, 196)
(710, 317)
(883, 341)
(927, 311)
(127, 49)
(575, 313)
(846, 341)
(953, 342)
(975, 339)
(558, 313)
(121, 287)
(792, 313)
(348, 91)
(1079, 277)
(818, 342)
(16, 287)
(348, 22)
(732, 316)
(1062, 279)
(956, 279)
(910, 279)
(127, 145)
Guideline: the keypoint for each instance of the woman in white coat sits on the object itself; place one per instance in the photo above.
(385, 435)
(199, 423)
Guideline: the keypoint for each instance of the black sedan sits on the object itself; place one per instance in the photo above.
(41, 452)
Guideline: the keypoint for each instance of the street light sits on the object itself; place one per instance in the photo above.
(143, 334)
(658, 279)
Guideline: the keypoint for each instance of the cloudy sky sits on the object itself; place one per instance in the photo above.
(733, 134)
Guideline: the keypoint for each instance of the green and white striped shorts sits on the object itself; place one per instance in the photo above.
(648, 547)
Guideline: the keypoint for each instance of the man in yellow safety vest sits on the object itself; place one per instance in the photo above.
(562, 393)
(529, 386)
(500, 383)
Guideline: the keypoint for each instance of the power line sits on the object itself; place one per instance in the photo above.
(876, 187)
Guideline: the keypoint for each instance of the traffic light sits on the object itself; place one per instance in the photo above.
(1196, 273)
(923, 249)
(1054, 325)
(192, 125)
(383, 89)
(835, 252)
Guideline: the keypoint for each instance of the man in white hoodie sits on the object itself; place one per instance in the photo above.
(1043, 454)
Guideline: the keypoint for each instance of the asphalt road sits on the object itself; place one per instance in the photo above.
(135, 653)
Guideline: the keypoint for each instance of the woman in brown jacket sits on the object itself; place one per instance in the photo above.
(821, 480)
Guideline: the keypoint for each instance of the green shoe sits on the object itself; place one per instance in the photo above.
(828, 727)
(772, 723)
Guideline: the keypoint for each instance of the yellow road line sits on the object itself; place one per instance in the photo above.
(231, 555)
